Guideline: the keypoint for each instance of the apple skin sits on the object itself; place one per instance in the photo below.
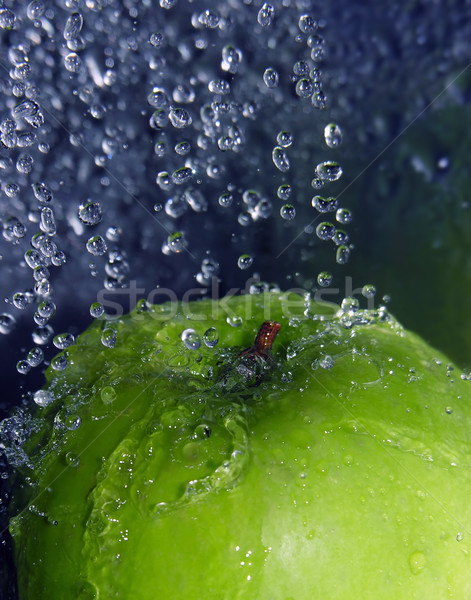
(182, 482)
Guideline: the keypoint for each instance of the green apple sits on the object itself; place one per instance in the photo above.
(162, 470)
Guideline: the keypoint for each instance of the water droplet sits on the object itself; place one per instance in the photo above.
(343, 215)
(72, 460)
(20, 301)
(108, 394)
(266, 15)
(304, 88)
(96, 245)
(342, 255)
(324, 205)
(325, 231)
(459, 537)
(191, 339)
(176, 242)
(35, 357)
(59, 363)
(324, 279)
(90, 213)
(288, 212)
(307, 24)
(226, 199)
(332, 135)
(271, 78)
(280, 159)
(417, 562)
(63, 340)
(97, 310)
(43, 398)
(244, 261)
(234, 320)
(211, 337)
(167, 4)
(108, 337)
(73, 422)
(326, 362)
(73, 26)
(180, 118)
(72, 62)
(182, 148)
(284, 139)
(182, 175)
(23, 367)
(7, 323)
(329, 170)
(368, 291)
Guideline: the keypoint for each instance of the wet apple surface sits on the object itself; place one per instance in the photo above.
(155, 468)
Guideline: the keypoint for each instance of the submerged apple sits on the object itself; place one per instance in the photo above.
(160, 469)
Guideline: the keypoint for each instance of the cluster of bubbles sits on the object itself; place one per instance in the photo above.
(189, 136)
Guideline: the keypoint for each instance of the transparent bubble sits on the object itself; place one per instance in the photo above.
(96, 245)
(47, 221)
(63, 340)
(284, 139)
(35, 357)
(158, 98)
(266, 15)
(211, 337)
(343, 215)
(72, 460)
(324, 205)
(332, 135)
(340, 237)
(284, 192)
(156, 39)
(368, 291)
(326, 362)
(318, 100)
(168, 4)
(113, 233)
(42, 335)
(7, 322)
(324, 278)
(191, 339)
(231, 58)
(33, 258)
(73, 422)
(329, 170)
(219, 86)
(24, 164)
(41, 273)
(288, 212)
(43, 398)
(325, 231)
(280, 159)
(271, 78)
(108, 337)
(245, 261)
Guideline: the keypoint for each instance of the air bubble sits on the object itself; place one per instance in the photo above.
(284, 192)
(35, 9)
(72, 62)
(324, 205)
(182, 148)
(191, 339)
(226, 199)
(342, 255)
(20, 301)
(42, 193)
(307, 24)
(47, 309)
(108, 394)
(219, 86)
(176, 242)
(368, 291)
(23, 367)
(59, 363)
(90, 213)
(73, 26)
(304, 88)
(180, 118)
(182, 175)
